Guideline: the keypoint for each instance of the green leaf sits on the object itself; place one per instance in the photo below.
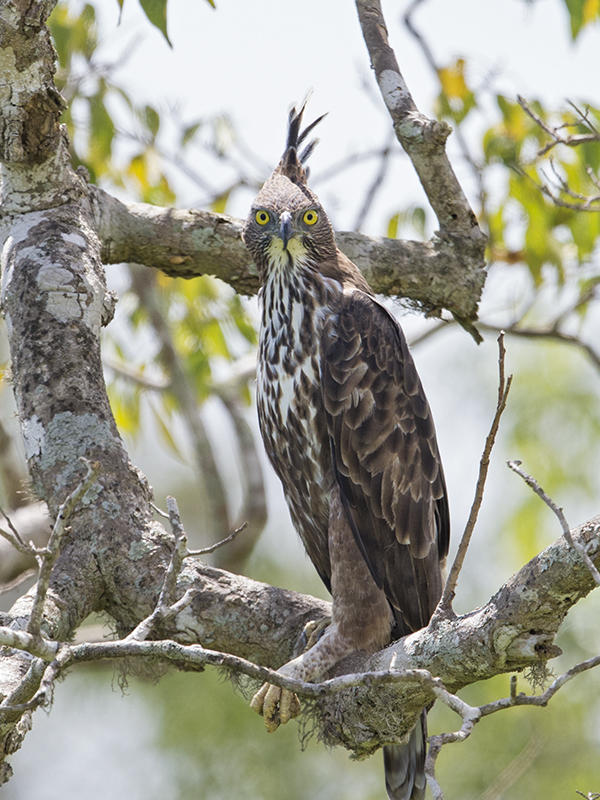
(392, 226)
(582, 13)
(151, 119)
(156, 11)
(102, 131)
(189, 132)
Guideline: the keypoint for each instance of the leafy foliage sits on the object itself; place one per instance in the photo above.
(210, 322)
(582, 13)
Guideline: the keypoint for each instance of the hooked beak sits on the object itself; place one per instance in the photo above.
(286, 230)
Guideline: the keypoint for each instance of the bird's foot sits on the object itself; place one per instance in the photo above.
(312, 632)
(276, 705)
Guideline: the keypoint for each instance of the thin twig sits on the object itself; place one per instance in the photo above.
(164, 607)
(14, 537)
(47, 561)
(556, 138)
(444, 608)
(159, 511)
(211, 549)
(375, 186)
(533, 484)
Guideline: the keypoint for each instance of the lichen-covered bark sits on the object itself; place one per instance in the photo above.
(186, 243)
(514, 630)
(54, 231)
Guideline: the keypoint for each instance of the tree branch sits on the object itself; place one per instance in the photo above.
(187, 243)
(444, 607)
(422, 138)
(533, 484)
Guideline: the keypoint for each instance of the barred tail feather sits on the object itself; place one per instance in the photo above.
(405, 765)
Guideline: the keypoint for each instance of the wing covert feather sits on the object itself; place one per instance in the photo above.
(385, 455)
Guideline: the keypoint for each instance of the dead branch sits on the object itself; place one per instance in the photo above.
(211, 549)
(47, 558)
(533, 484)
(444, 607)
(556, 138)
(164, 605)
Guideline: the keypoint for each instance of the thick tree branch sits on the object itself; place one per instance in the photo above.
(424, 141)
(248, 624)
(422, 138)
(187, 243)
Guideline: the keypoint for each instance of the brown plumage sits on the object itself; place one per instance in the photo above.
(348, 430)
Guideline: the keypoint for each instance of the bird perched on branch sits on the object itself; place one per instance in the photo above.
(348, 429)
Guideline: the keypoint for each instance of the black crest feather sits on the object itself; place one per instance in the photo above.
(291, 164)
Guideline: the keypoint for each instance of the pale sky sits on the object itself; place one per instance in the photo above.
(253, 58)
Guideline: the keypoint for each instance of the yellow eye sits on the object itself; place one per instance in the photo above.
(310, 217)
(262, 217)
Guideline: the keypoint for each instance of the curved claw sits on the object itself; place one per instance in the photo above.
(276, 705)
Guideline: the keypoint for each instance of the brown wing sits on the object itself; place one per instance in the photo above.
(385, 455)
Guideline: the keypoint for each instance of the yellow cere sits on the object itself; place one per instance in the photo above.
(262, 217)
(310, 217)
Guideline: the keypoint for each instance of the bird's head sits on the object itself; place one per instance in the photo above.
(287, 226)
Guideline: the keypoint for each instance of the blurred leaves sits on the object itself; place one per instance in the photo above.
(411, 220)
(554, 419)
(156, 11)
(582, 13)
(118, 140)
(455, 99)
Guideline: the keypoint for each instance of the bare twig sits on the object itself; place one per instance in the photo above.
(444, 607)
(472, 714)
(374, 188)
(533, 484)
(14, 537)
(37, 645)
(550, 331)
(159, 511)
(164, 605)
(211, 549)
(556, 138)
(47, 560)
